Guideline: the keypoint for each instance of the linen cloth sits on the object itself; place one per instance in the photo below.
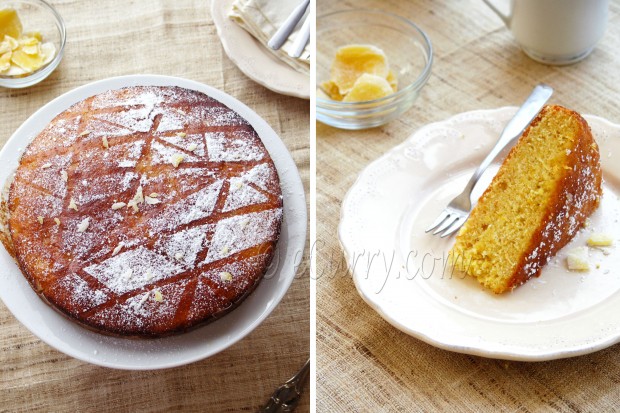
(366, 365)
(262, 18)
(178, 38)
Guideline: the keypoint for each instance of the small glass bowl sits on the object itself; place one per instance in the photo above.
(40, 16)
(409, 53)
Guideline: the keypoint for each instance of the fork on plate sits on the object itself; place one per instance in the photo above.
(458, 210)
(284, 32)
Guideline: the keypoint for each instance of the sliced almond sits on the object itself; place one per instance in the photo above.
(176, 159)
(158, 296)
(133, 204)
(151, 201)
(192, 147)
(118, 205)
(154, 195)
(118, 248)
(144, 298)
(86, 132)
(105, 142)
(45, 166)
(64, 176)
(72, 204)
(83, 226)
(181, 134)
(40, 219)
(226, 276)
(57, 221)
(138, 197)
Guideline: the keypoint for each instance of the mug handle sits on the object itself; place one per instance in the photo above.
(505, 17)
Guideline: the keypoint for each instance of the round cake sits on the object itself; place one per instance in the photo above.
(145, 211)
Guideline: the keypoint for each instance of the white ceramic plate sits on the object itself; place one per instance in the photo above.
(402, 272)
(253, 59)
(68, 337)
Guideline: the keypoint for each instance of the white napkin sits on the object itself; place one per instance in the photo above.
(262, 18)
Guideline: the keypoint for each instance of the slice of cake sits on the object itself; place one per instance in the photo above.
(548, 185)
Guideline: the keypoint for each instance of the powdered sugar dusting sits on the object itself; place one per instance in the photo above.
(162, 154)
(81, 295)
(240, 146)
(242, 231)
(140, 262)
(196, 206)
(184, 246)
(240, 195)
(193, 143)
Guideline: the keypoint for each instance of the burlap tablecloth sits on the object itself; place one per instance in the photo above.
(366, 365)
(178, 38)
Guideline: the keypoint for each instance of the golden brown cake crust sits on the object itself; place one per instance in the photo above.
(557, 176)
(575, 197)
(192, 240)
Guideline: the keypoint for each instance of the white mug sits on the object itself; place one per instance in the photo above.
(555, 31)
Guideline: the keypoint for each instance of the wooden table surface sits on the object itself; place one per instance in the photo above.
(178, 38)
(366, 365)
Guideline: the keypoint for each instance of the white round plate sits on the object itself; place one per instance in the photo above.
(68, 337)
(402, 272)
(251, 57)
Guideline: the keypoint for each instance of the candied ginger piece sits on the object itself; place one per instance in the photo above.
(331, 90)
(10, 25)
(35, 34)
(5, 47)
(354, 60)
(12, 42)
(368, 87)
(5, 61)
(28, 62)
(392, 80)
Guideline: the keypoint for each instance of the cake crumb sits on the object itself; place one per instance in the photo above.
(64, 176)
(105, 142)
(577, 259)
(72, 204)
(45, 166)
(181, 134)
(226, 276)
(192, 147)
(158, 296)
(598, 239)
(40, 219)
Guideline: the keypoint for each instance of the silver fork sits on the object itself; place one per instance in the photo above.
(286, 397)
(458, 210)
(283, 33)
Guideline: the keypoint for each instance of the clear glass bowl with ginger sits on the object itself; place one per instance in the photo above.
(370, 66)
